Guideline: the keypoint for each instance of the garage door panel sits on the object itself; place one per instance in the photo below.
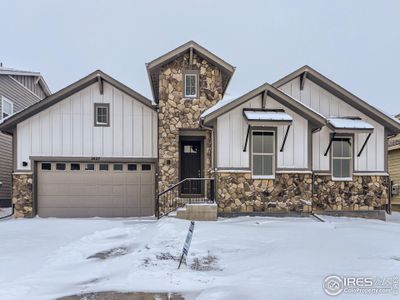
(132, 178)
(146, 211)
(96, 193)
(147, 177)
(118, 178)
(55, 201)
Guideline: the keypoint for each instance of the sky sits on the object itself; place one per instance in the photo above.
(355, 43)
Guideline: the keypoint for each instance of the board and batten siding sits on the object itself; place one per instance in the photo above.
(373, 157)
(30, 82)
(66, 129)
(231, 136)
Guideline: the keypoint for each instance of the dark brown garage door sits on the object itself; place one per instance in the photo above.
(71, 190)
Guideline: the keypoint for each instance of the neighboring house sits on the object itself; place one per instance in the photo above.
(303, 144)
(18, 90)
(394, 169)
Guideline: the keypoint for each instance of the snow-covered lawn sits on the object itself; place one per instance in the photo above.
(238, 258)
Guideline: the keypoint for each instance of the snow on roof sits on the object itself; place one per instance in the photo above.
(253, 115)
(10, 71)
(349, 123)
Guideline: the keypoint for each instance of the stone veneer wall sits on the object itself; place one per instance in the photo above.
(363, 193)
(22, 195)
(176, 112)
(238, 193)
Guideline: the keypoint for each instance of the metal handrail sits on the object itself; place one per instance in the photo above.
(172, 193)
(180, 182)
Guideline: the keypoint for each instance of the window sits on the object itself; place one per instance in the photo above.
(60, 166)
(75, 167)
(46, 166)
(102, 114)
(146, 167)
(191, 85)
(190, 149)
(7, 108)
(263, 154)
(117, 167)
(89, 167)
(132, 167)
(103, 167)
(342, 157)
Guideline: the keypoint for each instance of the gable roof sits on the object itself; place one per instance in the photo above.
(154, 66)
(41, 81)
(96, 76)
(278, 95)
(309, 73)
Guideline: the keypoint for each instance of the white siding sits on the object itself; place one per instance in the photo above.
(372, 158)
(67, 128)
(231, 136)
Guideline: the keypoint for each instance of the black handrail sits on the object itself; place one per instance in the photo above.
(173, 198)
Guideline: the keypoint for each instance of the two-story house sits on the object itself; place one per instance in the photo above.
(18, 90)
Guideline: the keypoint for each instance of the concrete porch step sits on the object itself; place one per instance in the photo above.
(198, 212)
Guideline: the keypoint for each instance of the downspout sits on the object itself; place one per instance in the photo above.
(312, 171)
(211, 129)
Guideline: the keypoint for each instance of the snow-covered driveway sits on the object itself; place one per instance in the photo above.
(238, 258)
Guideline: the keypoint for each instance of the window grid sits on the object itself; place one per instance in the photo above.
(343, 172)
(264, 153)
(190, 85)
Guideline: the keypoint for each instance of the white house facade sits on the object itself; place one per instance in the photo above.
(97, 148)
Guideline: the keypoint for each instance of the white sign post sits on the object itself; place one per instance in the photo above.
(186, 247)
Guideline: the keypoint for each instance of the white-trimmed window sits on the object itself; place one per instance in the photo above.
(191, 85)
(263, 154)
(7, 108)
(342, 158)
(101, 114)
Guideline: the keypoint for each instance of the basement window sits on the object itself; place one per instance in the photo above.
(191, 85)
(342, 158)
(102, 114)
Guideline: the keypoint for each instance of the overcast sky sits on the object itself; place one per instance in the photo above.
(354, 43)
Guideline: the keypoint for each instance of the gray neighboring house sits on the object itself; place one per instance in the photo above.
(18, 90)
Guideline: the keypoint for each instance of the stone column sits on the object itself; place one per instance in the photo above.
(22, 195)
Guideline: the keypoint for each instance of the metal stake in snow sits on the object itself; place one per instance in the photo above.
(186, 247)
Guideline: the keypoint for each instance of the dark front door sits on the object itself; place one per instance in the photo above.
(190, 154)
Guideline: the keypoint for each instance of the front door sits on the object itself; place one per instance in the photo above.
(191, 162)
